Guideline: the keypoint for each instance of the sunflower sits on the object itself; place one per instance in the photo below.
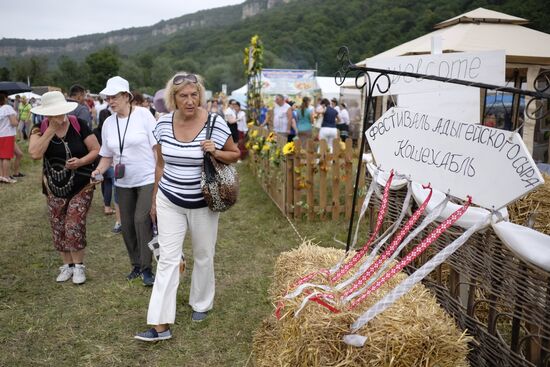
(289, 148)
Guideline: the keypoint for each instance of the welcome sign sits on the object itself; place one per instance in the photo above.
(492, 166)
(482, 67)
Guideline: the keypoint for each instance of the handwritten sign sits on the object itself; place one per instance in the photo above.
(492, 166)
(483, 67)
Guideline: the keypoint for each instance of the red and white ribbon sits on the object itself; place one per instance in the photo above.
(391, 248)
(406, 285)
(380, 219)
(414, 253)
(430, 218)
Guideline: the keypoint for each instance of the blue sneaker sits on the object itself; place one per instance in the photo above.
(152, 335)
(199, 316)
(136, 273)
(148, 278)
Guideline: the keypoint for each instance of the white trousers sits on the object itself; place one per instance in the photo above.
(329, 134)
(173, 222)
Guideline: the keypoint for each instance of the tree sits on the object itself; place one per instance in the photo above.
(69, 72)
(134, 74)
(33, 69)
(103, 65)
(4, 73)
(161, 71)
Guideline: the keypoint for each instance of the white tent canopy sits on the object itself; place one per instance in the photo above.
(27, 95)
(482, 29)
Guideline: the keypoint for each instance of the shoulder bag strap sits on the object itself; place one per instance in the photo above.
(208, 128)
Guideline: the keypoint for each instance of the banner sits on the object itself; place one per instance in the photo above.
(288, 82)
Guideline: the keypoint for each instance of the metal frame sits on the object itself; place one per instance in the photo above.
(363, 79)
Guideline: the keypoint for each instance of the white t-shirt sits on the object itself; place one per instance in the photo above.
(344, 116)
(99, 107)
(280, 119)
(241, 122)
(229, 115)
(137, 155)
(6, 129)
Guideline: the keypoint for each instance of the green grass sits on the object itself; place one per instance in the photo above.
(48, 324)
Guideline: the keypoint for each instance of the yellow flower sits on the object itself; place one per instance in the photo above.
(266, 147)
(256, 147)
(250, 123)
(271, 136)
(253, 133)
(289, 148)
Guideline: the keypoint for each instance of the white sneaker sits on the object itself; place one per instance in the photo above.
(65, 273)
(79, 276)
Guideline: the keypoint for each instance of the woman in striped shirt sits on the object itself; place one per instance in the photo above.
(178, 203)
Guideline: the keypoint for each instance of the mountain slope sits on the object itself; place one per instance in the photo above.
(131, 40)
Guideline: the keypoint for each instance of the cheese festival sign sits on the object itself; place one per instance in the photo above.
(492, 166)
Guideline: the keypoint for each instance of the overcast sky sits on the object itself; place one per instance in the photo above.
(47, 19)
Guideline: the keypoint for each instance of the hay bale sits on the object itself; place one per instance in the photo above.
(536, 202)
(413, 332)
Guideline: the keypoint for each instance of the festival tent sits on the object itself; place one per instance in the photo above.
(328, 86)
(27, 95)
(240, 95)
(479, 30)
(527, 51)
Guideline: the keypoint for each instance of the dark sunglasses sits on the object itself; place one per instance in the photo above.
(178, 79)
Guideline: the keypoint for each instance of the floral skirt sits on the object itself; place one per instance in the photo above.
(68, 220)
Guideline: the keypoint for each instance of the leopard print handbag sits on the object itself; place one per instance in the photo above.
(219, 181)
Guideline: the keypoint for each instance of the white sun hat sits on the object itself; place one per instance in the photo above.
(54, 104)
(116, 85)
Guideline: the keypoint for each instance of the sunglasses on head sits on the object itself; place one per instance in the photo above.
(178, 79)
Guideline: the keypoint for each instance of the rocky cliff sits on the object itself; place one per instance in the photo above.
(132, 40)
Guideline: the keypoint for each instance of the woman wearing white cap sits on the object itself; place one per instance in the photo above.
(69, 149)
(128, 142)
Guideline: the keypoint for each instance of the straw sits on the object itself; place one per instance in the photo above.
(415, 331)
(536, 202)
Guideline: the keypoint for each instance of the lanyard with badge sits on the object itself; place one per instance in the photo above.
(120, 167)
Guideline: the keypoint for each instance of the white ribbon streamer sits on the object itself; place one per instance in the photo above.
(301, 288)
(305, 301)
(366, 202)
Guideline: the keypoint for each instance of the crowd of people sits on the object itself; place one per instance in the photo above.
(149, 165)
(326, 120)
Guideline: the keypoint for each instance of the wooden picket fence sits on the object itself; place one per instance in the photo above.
(313, 183)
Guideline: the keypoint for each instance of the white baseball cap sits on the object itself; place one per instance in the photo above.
(116, 85)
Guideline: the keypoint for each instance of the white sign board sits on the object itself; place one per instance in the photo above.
(482, 67)
(464, 103)
(492, 166)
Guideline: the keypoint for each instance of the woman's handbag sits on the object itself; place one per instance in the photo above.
(219, 181)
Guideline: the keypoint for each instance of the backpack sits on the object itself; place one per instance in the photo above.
(72, 119)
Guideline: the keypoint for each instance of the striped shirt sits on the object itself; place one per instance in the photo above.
(181, 179)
